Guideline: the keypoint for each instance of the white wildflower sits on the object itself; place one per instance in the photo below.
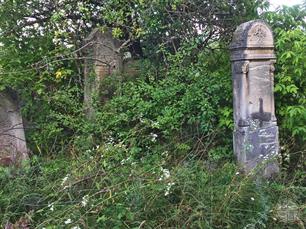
(68, 221)
(126, 160)
(110, 141)
(165, 175)
(165, 153)
(153, 137)
(76, 227)
(65, 179)
(169, 185)
(237, 173)
(84, 201)
(51, 207)
(65, 187)
(252, 198)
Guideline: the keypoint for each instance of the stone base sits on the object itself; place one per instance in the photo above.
(256, 148)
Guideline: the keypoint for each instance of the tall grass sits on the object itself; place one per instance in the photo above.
(104, 188)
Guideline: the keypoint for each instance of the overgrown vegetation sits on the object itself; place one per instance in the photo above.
(159, 153)
(107, 188)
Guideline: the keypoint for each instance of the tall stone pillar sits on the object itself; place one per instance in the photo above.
(13, 146)
(256, 133)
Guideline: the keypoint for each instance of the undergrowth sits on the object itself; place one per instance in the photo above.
(107, 188)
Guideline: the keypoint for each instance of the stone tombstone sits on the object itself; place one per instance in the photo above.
(13, 146)
(255, 129)
(102, 58)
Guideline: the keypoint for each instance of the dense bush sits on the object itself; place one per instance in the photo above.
(180, 104)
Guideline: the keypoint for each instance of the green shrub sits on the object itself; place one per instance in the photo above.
(184, 102)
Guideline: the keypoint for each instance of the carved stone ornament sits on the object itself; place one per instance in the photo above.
(258, 34)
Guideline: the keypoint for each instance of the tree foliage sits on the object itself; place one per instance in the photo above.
(39, 39)
(290, 29)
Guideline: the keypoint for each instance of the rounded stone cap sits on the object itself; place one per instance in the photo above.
(251, 36)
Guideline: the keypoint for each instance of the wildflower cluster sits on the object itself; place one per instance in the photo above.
(65, 182)
(166, 177)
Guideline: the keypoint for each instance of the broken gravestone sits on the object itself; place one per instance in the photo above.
(102, 58)
(12, 138)
(255, 135)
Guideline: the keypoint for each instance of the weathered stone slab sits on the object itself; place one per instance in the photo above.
(256, 131)
(102, 58)
(12, 138)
